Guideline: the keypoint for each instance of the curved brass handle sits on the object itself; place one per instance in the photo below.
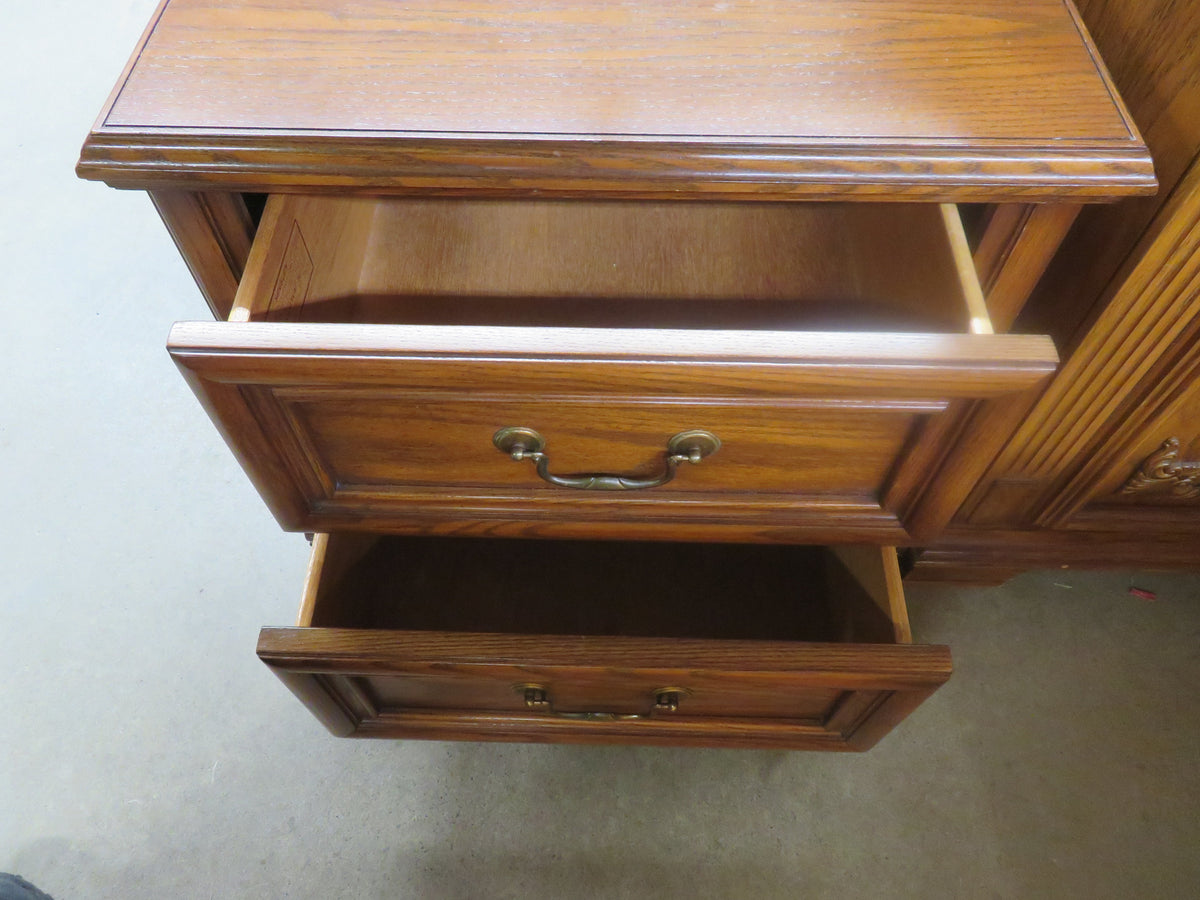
(525, 443)
(537, 698)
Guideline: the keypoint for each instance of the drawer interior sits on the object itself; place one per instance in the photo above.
(601, 588)
(664, 265)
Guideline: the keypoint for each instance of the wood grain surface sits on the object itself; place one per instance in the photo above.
(755, 592)
(1120, 299)
(1001, 70)
(764, 644)
(213, 232)
(1151, 48)
(1114, 539)
(1138, 357)
(389, 425)
(829, 266)
(615, 96)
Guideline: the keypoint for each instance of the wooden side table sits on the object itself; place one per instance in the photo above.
(605, 344)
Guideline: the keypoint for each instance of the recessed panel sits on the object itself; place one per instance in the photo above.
(373, 442)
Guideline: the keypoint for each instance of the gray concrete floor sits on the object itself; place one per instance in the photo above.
(145, 752)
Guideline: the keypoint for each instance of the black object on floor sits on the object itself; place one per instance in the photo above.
(14, 887)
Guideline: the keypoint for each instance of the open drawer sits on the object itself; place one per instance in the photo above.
(738, 645)
(380, 348)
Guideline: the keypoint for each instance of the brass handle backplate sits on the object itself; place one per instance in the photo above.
(537, 698)
(524, 443)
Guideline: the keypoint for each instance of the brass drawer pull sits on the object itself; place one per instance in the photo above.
(525, 443)
(535, 695)
(667, 699)
(599, 716)
(537, 698)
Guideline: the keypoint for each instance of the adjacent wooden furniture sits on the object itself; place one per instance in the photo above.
(1101, 472)
(490, 274)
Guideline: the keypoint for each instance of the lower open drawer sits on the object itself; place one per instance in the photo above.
(598, 642)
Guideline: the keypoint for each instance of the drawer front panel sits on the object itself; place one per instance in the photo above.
(603, 692)
(368, 442)
(384, 428)
(738, 693)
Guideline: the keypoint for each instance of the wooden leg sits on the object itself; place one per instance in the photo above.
(213, 232)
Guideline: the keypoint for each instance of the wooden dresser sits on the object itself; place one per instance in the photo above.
(610, 347)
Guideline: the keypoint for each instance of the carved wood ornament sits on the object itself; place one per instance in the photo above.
(1163, 469)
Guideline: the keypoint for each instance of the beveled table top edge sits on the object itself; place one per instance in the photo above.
(601, 165)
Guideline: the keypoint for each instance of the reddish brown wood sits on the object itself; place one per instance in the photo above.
(391, 425)
(213, 232)
(1121, 298)
(607, 588)
(992, 556)
(605, 263)
(1155, 360)
(374, 347)
(971, 449)
(323, 699)
(922, 99)
(1151, 48)
(1014, 253)
(461, 685)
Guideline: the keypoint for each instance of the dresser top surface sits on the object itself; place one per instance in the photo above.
(999, 94)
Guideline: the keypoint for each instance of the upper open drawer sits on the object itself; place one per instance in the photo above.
(596, 264)
(378, 347)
